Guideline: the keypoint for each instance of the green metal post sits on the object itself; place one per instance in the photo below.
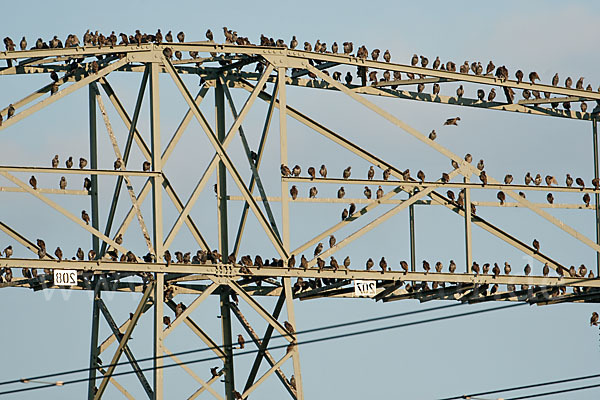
(94, 165)
(223, 243)
(94, 341)
(411, 221)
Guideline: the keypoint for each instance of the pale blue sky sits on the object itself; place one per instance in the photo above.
(49, 331)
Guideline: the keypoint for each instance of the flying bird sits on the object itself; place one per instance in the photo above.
(452, 121)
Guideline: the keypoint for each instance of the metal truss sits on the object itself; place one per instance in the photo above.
(220, 70)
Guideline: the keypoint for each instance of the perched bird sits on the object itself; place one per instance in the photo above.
(63, 183)
(580, 182)
(550, 198)
(546, 269)
(450, 195)
(341, 193)
(33, 182)
(508, 179)
(555, 80)
(296, 170)
(82, 163)
(344, 214)
(318, 249)
(369, 264)
(367, 192)
(568, 82)
(312, 193)
(426, 266)
(311, 172)
(586, 199)
(594, 319)
(507, 268)
(85, 217)
(502, 197)
(596, 183)
(404, 266)
(483, 177)
(348, 78)
(87, 183)
(332, 241)
(492, 94)
(323, 171)
(379, 193)
(146, 166)
(58, 253)
(480, 94)
(528, 178)
(181, 37)
(550, 180)
(118, 164)
(519, 75)
(452, 121)
(387, 56)
(536, 245)
(569, 180)
(496, 270)
(383, 264)
(421, 176)
(460, 91)
(386, 174)
(346, 173)
(55, 161)
(582, 271)
(352, 209)
(241, 341)
(533, 76)
(294, 192)
(480, 165)
(8, 252)
(452, 266)
(167, 321)
(285, 171)
(370, 173)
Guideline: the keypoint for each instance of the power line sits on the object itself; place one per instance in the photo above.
(309, 341)
(530, 396)
(512, 389)
(186, 352)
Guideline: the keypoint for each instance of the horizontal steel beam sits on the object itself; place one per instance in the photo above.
(230, 271)
(460, 185)
(77, 171)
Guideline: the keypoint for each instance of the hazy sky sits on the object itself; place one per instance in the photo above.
(49, 331)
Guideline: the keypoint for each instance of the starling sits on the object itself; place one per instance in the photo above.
(550, 198)
(85, 217)
(312, 193)
(383, 264)
(347, 173)
(341, 193)
(594, 319)
(33, 182)
(379, 192)
(370, 173)
(502, 197)
(241, 341)
(55, 161)
(311, 172)
(63, 183)
(331, 241)
(369, 264)
(318, 249)
(452, 266)
(508, 179)
(536, 245)
(118, 164)
(82, 163)
(480, 165)
(294, 192)
(367, 192)
(323, 171)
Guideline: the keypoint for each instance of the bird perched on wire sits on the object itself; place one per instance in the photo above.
(346, 173)
(241, 341)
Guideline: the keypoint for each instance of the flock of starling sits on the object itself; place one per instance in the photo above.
(87, 183)
(91, 38)
(529, 179)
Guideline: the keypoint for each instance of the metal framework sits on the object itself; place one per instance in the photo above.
(220, 69)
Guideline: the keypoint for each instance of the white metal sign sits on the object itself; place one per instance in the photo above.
(65, 277)
(365, 288)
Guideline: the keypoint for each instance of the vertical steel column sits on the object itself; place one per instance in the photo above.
(224, 243)
(285, 217)
(94, 341)
(411, 225)
(596, 196)
(157, 223)
(94, 165)
(467, 203)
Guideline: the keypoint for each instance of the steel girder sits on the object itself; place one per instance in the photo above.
(224, 278)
